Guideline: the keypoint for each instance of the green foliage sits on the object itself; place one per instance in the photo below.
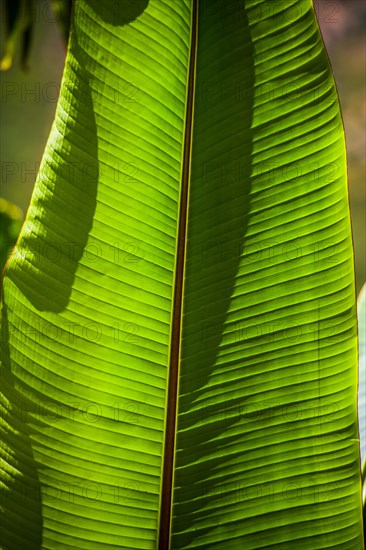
(361, 314)
(265, 441)
(11, 218)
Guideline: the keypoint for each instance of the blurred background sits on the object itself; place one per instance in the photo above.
(29, 91)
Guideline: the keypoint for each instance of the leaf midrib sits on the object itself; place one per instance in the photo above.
(175, 338)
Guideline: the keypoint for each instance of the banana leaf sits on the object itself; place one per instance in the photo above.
(361, 315)
(179, 337)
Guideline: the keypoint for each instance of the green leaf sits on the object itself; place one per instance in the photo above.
(11, 218)
(361, 315)
(179, 325)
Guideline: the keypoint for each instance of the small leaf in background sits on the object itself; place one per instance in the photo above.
(19, 23)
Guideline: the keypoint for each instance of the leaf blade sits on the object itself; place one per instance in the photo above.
(269, 341)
